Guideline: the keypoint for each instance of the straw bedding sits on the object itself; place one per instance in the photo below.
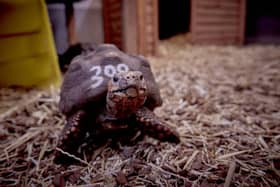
(224, 102)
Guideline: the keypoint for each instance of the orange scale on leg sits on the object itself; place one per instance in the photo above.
(159, 128)
(160, 136)
(73, 129)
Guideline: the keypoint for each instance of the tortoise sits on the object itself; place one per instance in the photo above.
(105, 91)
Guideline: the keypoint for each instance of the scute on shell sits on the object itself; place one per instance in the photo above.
(77, 90)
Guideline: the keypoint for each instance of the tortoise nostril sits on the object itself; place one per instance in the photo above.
(127, 77)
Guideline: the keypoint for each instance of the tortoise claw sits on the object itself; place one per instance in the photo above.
(154, 127)
(71, 137)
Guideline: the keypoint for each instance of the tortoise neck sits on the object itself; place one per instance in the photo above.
(122, 107)
(119, 109)
(111, 109)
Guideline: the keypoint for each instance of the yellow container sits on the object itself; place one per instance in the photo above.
(27, 52)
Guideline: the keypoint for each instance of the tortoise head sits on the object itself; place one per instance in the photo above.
(127, 91)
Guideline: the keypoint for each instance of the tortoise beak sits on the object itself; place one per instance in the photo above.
(132, 92)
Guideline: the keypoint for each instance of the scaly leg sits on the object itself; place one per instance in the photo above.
(71, 136)
(155, 127)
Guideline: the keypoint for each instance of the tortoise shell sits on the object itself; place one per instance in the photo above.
(85, 82)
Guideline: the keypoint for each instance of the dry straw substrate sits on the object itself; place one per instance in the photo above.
(224, 102)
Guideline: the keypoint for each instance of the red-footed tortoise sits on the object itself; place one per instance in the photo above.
(105, 90)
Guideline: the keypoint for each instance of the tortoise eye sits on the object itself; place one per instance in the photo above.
(141, 77)
(115, 79)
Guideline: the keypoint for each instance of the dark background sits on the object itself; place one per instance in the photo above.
(174, 17)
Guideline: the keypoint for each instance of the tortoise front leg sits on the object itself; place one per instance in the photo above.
(71, 137)
(155, 127)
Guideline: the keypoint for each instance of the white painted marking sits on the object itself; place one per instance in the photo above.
(97, 69)
(96, 78)
(97, 81)
(122, 68)
(109, 71)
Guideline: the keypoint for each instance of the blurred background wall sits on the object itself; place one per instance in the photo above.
(88, 22)
(135, 26)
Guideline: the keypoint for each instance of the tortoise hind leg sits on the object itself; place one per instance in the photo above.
(155, 127)
(71, 137)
